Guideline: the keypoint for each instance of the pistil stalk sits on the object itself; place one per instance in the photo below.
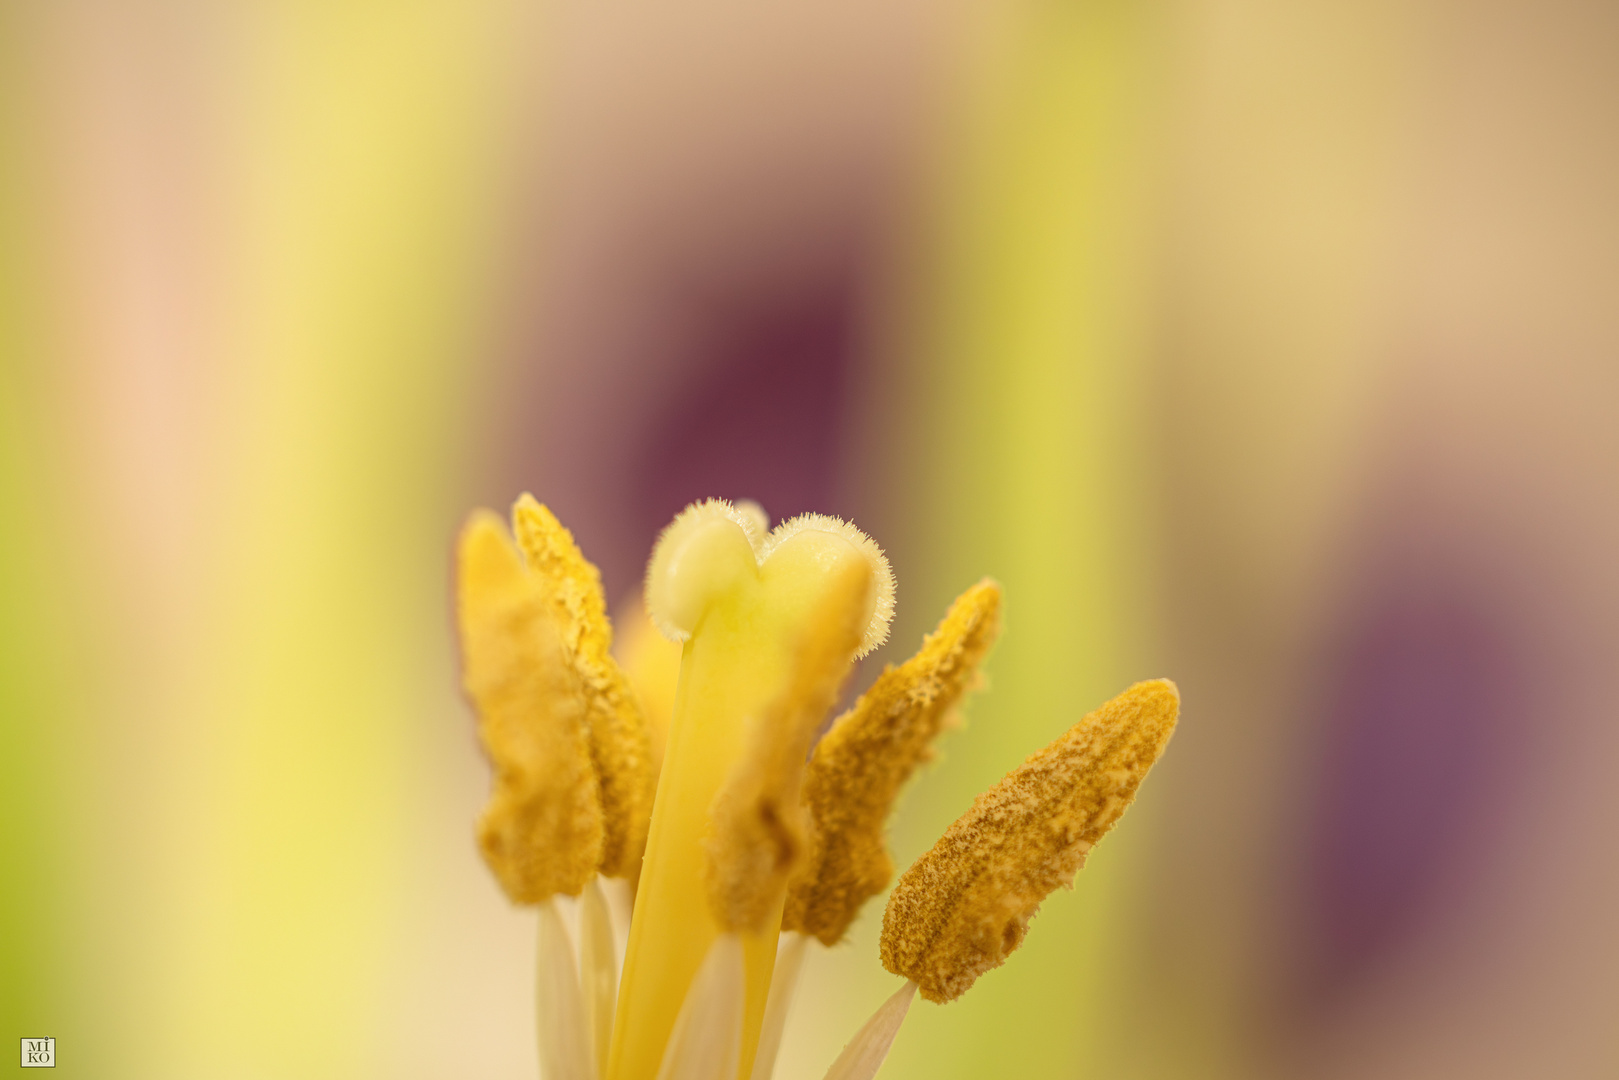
(746, 606)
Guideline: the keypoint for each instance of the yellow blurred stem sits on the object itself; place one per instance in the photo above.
(737, 660)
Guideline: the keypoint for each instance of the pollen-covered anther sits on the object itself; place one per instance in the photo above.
(963, 907)
(865, 759)
(541, 832)
(620, 749)
(757, 822)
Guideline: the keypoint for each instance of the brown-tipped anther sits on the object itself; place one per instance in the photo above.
(619, 748)
(964, 906)
(865, 759)
(541, 832)
(758, 827)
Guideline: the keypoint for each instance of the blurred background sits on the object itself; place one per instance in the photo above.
(1270, 347)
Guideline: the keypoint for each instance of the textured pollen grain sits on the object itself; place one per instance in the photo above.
(865, 759)
(964, 906)
(758, 827)
(541, 832)
(619, 745)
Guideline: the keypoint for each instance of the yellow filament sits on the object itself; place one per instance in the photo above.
(564, 1039)
(619, 747)
(963, 907)
(865, 1053)
(864, 760)
(743, 620)
(541, 833)
(598, 970)
(783, 986)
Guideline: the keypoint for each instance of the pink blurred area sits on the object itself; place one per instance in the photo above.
(1381, 371)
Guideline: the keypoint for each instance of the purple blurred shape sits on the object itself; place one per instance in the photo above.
(765, 421)
(1423, 695)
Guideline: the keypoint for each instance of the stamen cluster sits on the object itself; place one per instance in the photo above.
(755, 844)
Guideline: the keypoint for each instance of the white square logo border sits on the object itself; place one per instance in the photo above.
(39, 1053)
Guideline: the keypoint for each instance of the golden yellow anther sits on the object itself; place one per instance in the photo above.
(757, 823)
(619, 747)
(864, 760)
(542, 831)
(964, 906)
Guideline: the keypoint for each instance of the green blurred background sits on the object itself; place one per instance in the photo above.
(1270, 347)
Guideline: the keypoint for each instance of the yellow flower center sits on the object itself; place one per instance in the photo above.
(747, 824)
